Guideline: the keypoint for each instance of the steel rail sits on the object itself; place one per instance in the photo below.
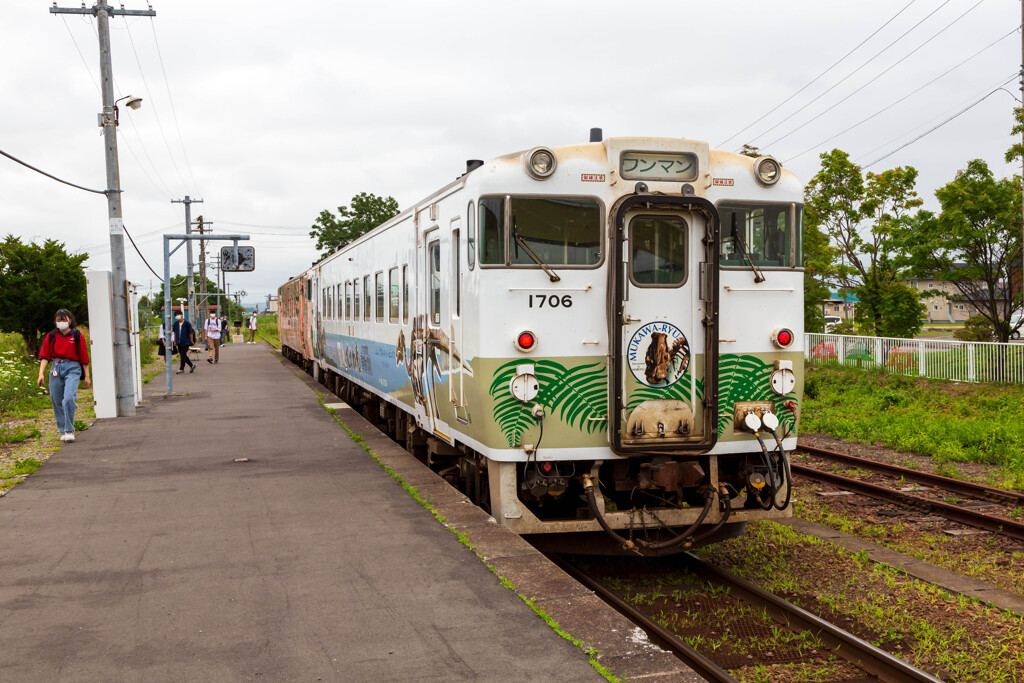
(858, 652)
(955, 485)
(694, 659)
(979, 520)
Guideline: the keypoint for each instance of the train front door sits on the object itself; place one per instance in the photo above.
(666, 342)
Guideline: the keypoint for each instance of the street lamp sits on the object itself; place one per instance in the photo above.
(132, 103)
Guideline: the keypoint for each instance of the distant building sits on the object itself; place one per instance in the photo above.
(942, 299)
(271, 303)
(842, 304)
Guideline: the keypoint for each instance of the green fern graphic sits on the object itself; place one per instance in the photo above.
(747, 378)
(679, 391)
(579, 394)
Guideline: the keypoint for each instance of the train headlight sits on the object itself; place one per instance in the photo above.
(541, 162)
(782, 337)
(767, 171)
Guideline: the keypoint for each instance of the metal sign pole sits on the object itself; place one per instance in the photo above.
(168, 324)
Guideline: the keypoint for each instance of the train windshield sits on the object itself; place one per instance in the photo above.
(772, 234)
(560, 231)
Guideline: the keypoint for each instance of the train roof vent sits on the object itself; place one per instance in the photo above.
(596, 135)
(473, 164)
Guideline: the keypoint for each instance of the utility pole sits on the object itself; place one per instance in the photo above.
(1021, 283)
(202, 229)
(188, 202)
(123, 365)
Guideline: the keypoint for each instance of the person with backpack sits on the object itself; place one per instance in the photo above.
(184, 337)
(212, 329)
(64, 349)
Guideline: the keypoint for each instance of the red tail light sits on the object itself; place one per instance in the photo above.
(525, 341)
(782, 337)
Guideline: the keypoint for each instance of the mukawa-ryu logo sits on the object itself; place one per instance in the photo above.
(658, 354)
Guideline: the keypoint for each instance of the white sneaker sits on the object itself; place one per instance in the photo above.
(63, 437)
(69, 437)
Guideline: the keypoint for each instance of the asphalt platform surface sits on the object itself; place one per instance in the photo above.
(144, 552)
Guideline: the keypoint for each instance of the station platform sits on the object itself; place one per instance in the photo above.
(150, 550)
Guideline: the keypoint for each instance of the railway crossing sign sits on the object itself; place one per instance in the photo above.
(238, 259)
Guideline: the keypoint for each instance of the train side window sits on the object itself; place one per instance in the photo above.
(492, 230)
(471, 236)
(393, 295)
(348, 301)
(367, 297)
(457, 270)
(379, 283)
(434, 270)
(405, 294)
(355, 299)
(657, 246)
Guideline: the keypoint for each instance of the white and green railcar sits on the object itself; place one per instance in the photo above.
(604, 337)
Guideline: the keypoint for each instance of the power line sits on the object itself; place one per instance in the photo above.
(27, 165)
(156, 111)
(815, 79)
(940, 125)
(849, 75)
(905, 97)
(127, 143)
(174, 113)
(140, 254)
(887, 70)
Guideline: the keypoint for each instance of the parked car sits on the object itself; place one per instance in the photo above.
(831, 321)
(1014, 322)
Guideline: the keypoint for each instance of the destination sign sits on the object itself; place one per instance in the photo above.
(680, 166)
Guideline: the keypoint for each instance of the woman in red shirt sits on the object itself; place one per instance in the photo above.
(65, 348)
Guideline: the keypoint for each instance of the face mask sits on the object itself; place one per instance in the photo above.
(213, 317)
(179, 318)
(63, 325)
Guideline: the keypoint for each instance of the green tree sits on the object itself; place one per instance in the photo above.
(1016, 151)
(974, 243)
(365, 213)
(751, 151)
(35, 282)
(818, 259)
(859, 214)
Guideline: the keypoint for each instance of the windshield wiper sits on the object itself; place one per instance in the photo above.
(758, 276)
(520, 242)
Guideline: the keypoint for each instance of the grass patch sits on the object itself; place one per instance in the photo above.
(266, 330)
(464, 539)
(950, 422)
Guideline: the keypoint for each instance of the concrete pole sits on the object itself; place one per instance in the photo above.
(122, 343)
(202, 275)
(1021, 283)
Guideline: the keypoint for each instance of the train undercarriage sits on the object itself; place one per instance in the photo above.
(649, 504)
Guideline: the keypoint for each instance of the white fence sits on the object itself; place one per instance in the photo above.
(955, 361)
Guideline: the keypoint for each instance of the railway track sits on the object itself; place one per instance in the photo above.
(872, 660)
(958, 513)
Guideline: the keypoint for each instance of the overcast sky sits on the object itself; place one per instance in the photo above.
(273, 111)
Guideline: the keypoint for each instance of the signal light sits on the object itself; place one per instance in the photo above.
(782, 337)
(526, 341)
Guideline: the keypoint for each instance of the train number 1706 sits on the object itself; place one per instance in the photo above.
(550, 300)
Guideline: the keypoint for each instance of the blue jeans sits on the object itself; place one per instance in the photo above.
(64, 391)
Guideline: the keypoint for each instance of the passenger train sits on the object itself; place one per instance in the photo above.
(603, 337)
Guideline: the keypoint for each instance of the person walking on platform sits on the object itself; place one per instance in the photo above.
(212, 329)
(184, 336)
(252, 328)
(66, 349)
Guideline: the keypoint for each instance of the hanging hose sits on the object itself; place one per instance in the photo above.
(772, 486)
(719, 524)
(786, 472)
(643, 547)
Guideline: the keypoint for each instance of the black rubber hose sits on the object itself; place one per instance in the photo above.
(709, 500)
(787, 472)
(719, 525)
(771, 476)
